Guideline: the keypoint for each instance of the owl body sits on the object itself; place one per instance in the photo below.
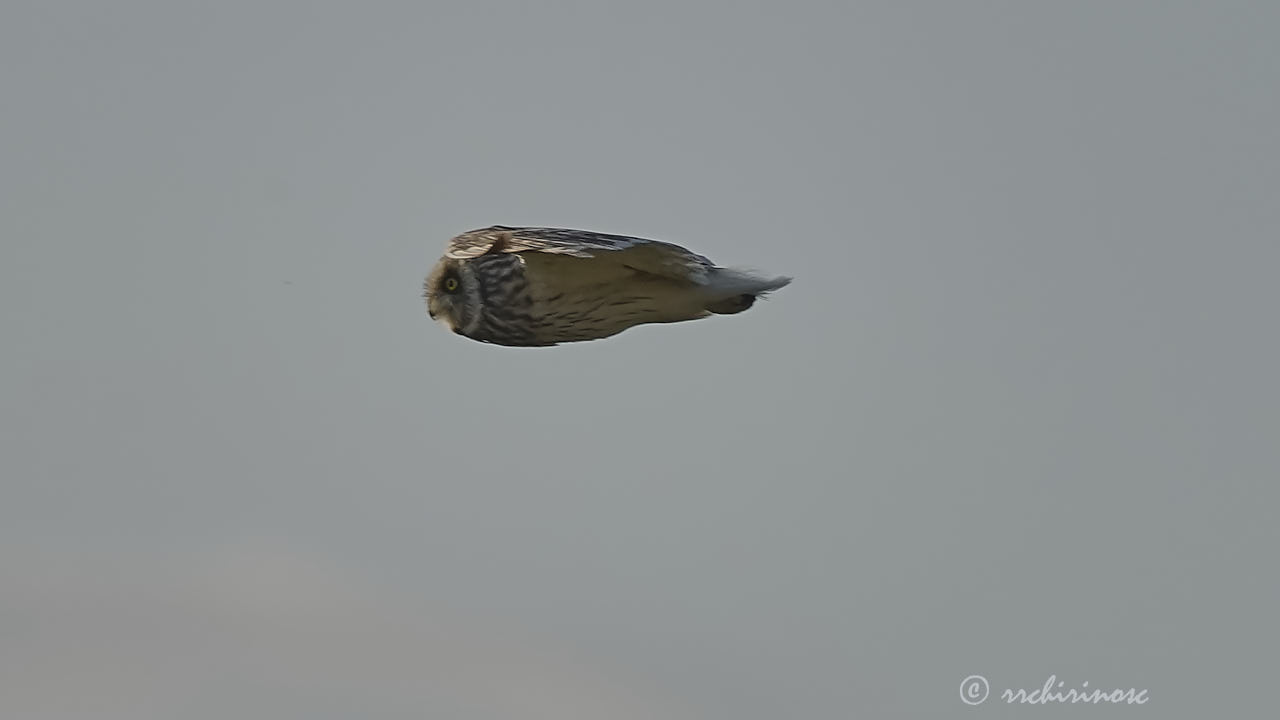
(543, 286)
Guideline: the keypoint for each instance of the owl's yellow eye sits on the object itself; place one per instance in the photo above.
(450, 284)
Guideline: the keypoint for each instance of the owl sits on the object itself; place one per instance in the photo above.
(530, 286)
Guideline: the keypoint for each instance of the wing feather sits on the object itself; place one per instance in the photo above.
(650, 256)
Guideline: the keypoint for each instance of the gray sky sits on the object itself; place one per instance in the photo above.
(1016, 416)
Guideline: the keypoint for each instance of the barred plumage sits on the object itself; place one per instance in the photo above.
(526, 286)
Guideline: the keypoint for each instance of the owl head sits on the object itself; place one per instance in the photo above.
(453, 295)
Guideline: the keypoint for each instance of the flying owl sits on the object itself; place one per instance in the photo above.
(528, 286)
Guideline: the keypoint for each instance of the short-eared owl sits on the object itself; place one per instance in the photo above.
(528, 286)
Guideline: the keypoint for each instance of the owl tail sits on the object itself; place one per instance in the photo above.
(735, 290)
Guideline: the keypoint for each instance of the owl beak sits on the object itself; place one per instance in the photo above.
(431, 313)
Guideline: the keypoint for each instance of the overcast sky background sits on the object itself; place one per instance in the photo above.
(1016, 416)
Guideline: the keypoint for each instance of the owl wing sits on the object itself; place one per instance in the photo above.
(648, 256)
